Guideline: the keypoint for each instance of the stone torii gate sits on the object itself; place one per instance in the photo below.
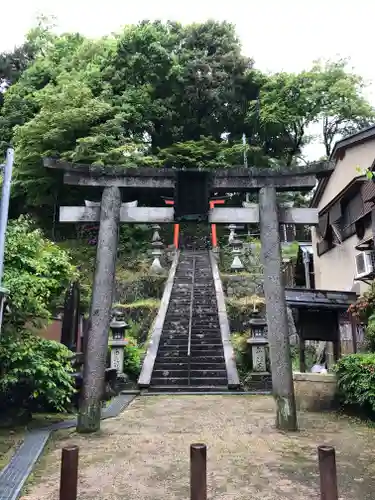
(266, 182)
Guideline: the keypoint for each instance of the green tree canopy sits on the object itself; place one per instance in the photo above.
(328, 93)
(163, 94)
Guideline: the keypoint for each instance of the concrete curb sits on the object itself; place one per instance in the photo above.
(230, 363)
(149, 361)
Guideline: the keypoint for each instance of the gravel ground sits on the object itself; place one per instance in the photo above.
(144, 453)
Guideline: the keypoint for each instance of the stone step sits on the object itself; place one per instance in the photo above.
(219, 365)
(195, 337)
(193, 373)
(187, 388)
(171, 365)
(210, 340)
(194, 347)
(172, 329)
(205, 331)
(194, 381)
(182, 344)
(217, 351)
(173, 342)
(169, 380)
(205, 361)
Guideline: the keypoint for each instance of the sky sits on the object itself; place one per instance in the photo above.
(280, 35)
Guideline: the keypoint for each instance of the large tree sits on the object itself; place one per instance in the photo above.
(290, 103)
(122, 99)
(162, 93)
(343, 107)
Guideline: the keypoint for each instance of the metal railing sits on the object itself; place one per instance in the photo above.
(191, 317)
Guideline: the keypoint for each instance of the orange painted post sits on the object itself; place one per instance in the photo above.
(213, 226)
(176, 228)
(176, 235)
(213, 229)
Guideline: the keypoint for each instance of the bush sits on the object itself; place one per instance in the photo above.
(243, 352)
(356, 380)
(240, 311)
(310, 357)
(131, 287)
(132, 359)
(140, 316)
(364, 306)
(34, 374)
(36, 273)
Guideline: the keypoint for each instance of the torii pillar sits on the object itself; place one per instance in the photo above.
(100, 312)
(276, 311)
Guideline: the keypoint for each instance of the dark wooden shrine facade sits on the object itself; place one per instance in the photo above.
(317, 317)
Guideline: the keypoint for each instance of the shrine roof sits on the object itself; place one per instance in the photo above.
(327, 299)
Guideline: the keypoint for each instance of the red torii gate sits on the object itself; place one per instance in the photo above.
(176, 230)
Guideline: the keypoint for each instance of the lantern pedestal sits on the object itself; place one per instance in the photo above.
(117, 343)
(258, 354)
(117, 356)
(259, 345)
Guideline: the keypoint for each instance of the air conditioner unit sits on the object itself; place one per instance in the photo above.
(365, 263)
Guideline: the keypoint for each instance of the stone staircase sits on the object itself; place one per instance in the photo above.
(192, 363)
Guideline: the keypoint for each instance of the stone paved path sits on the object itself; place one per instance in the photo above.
(14, 475)
(144, 453)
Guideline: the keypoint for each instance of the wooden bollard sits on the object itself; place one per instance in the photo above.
(328, 473)
(69, 473)
(198, 472)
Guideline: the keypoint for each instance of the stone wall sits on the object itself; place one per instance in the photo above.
(242, 285)
(139, 287)
(315, 391)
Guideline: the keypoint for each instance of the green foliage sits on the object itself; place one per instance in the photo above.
(133, 359)
(289, 103)
(370, 332)
(161, 94)
(364, 306)
(343, 108)
(356, 380)
(210, 153)
(36, 272)
(138, 286)
(34, 374)
(250, 257)
(242, 352)
(364, 310)
(140, 316)
(310, 357)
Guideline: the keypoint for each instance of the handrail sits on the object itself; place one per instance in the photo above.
(191, 317)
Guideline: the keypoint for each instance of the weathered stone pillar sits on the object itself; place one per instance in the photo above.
(100, 312)
(276, 311)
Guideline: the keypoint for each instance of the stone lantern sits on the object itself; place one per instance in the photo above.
(232, 233)
(156, 235)
(157, 251)
(236, 245)
(259, 343)
(118, 342)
